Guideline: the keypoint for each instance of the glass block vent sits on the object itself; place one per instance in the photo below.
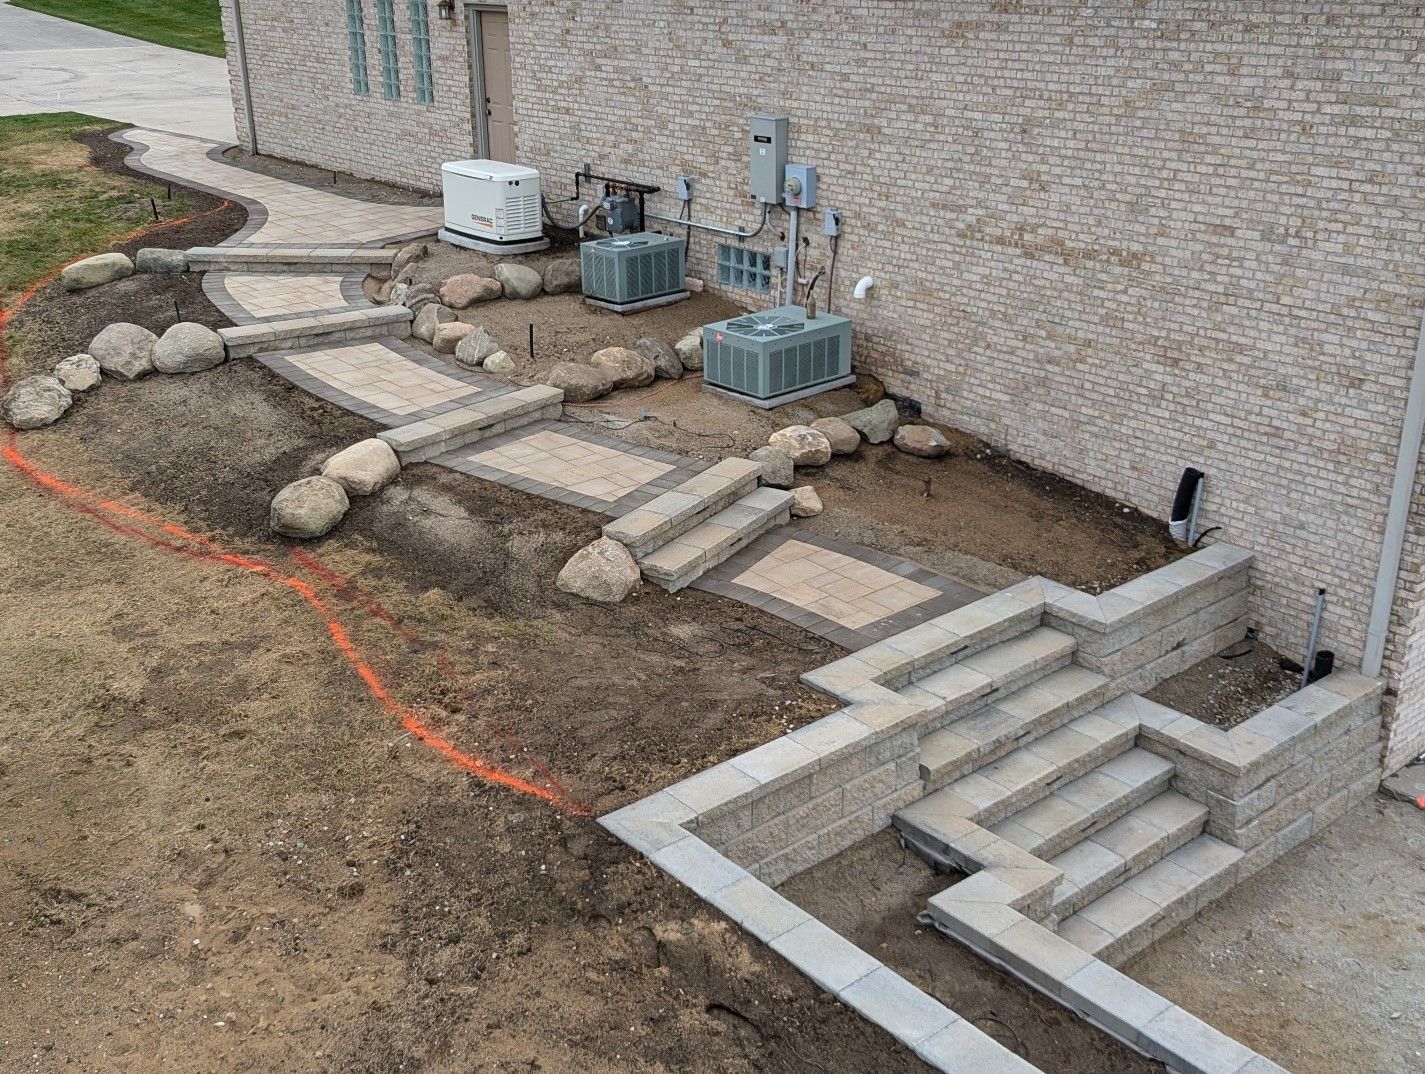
(749, 270)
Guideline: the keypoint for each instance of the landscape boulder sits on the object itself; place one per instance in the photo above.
(34, 402)
(629, 369)
(805, 502)
(464, 290)
(418, 296)
(666, 362)
(407, 255)
(604, 571)
(188, 347)
(805, 445)
(580, 383)
(921, 440)
(477, 345)
(96, 270)
(777, 468)
(366, 467)
(876, 423)
(124, 350)
(563, 277)
(159, 259)
(690, 350)
(843, 437)
(448, 336)
(501, 364)
(428, 319)
(78, 372)
(308, 508)
(518, 281)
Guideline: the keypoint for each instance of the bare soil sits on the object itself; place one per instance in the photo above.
(1229, 687)
(872, 892)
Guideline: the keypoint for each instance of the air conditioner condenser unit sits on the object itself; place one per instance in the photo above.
(492, 206)
(777, 356)
(626, 273)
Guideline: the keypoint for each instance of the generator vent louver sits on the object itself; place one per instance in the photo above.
(632, 268)
(776, 353)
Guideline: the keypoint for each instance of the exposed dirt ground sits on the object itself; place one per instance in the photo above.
(872, 892)
(1230, 686)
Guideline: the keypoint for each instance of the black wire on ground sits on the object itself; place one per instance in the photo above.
(1198, 540)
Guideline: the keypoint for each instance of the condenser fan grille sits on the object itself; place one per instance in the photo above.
(762, 328)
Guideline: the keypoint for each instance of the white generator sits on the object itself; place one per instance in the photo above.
(492, 206)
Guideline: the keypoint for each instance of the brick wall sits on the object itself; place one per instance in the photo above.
(1113, 239)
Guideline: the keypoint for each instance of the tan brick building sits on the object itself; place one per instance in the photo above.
(1114, 239)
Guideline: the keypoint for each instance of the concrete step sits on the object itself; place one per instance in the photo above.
(981, 678)
(1015, 719)
(291, 333)
(1144, 907)
(1138, 839)
(688, 556)
(678, 510)
(1021, 777)
(1084, 805)
(473, 422)
(257, 257)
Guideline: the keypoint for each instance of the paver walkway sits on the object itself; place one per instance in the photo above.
(844, 592)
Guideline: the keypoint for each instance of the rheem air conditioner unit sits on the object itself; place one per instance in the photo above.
(633, 272)
(776, 356)
(492, 206)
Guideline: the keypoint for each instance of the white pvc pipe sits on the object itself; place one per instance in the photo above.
(864, 284)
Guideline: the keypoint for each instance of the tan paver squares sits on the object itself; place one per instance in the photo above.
(565, 462)
(282, 295)
(375, 374)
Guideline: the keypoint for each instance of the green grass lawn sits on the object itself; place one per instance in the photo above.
(56, 206)
(187, 24)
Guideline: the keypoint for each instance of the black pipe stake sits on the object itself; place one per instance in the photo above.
(170, 191)
(531, 341)
(153, 204)
(333, 178)
(177, 314)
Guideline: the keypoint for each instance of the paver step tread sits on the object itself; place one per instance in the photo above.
(679, 510)
(683, 559)
(994, 671)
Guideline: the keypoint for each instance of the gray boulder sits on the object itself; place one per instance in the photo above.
(418, 296)
(501, 364)
(603, 571)
(921, 440)
(407, 255)
(124, 350)
(158, 259)
(366, 467)
(78, 372)
(519, 281)
(428, 319)
(563, 276)
(805, 502)
(96, 270)
(464, 290)
(777, 467)
(805, 445)
(188, 347)
(628, 368)
(448, 336)
(876, 423)
(666, 362)
(690, 350)
(34, 402)
(308, 508)
(580, 383)
(478, 345)
(844, 438)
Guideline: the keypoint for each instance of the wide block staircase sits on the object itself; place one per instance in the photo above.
(1041, 752)
(685, 532)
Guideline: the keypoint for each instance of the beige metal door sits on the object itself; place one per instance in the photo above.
(493, 91)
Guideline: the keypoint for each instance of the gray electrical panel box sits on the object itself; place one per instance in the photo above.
(767, 147)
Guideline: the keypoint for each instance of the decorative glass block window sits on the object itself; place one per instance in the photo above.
(751, 270)
(356, 47)
(386, 39)
(420, 49)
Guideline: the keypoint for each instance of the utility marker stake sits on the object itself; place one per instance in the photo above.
(153, 204)
(531, 341)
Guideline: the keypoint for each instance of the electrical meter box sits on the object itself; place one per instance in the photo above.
(799, 188)
(767, 148)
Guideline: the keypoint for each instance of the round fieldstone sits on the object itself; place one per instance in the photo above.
(34, 402)
(308, 508)
(604, 571)
(188, 347)
(580, 383)
(628, 368)
(477, 345)
(158, 259)
(467, 289)
(666, 363)
(563, 277)
(501, 364)
(448, 336)
(690, 350)
(519, 281)
(124, 350)
(363, 468)
(844, 438)
(805, 445)
(78, 372)
(428, 319)
(921, 440)
(876, 423)
(408, 255)
(777, 468)
(94, 271)
(805, 502)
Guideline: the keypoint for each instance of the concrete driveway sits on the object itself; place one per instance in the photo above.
(50, 65)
